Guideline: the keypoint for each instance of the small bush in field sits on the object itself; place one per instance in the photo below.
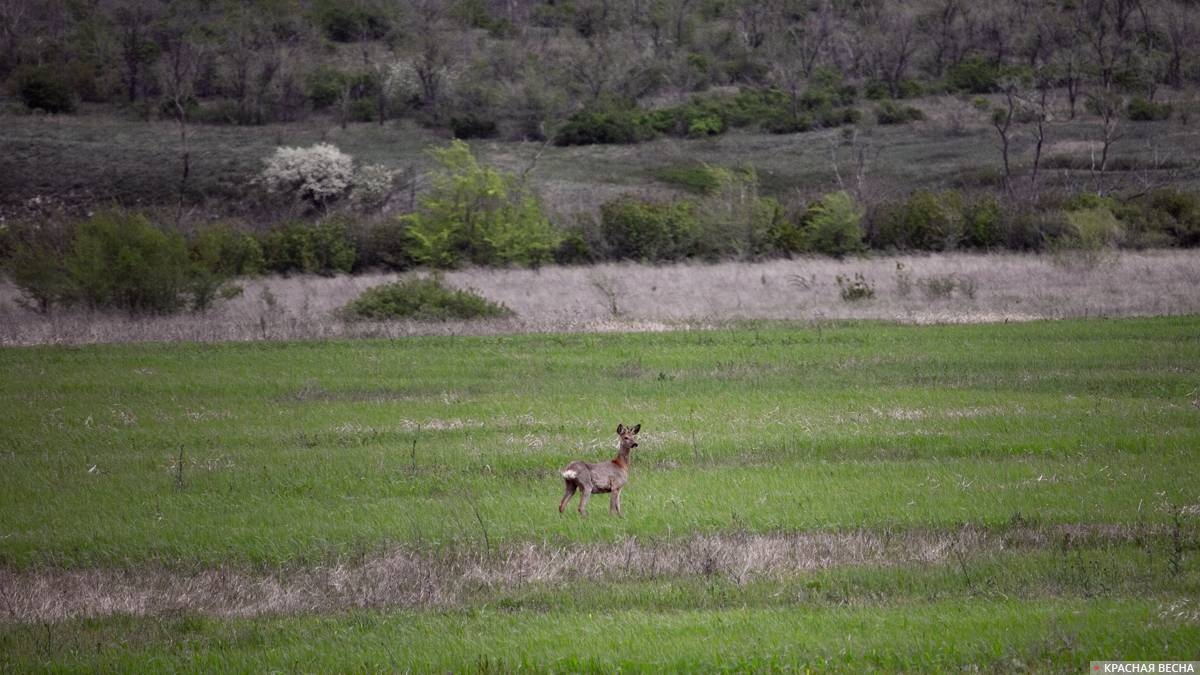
(319, 174)
(33, 258)
(926, 221)
(700, 178)
(423, 300)
(855, 289)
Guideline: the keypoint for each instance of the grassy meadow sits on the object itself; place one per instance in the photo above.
(828, 495)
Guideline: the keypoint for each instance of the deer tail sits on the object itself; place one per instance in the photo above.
(569, 474)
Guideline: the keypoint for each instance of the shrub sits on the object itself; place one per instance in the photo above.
(33, 258)
(319, 174)
(223, 250)
(477, 213)
(983, 224)
(1141, 110)
(927, 221)
(653, 231)
(699, 178)
(423, 300)
(605, 125)
(384, 244)
(973, 75)
(574, 249)
(890, 112)
(734, 220)
(1172, 213)
(43, 88)
(834, 225)
(324, 248)
(119, 260)
(472, 126)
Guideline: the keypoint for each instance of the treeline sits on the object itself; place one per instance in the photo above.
(584, 71)
(476, 214)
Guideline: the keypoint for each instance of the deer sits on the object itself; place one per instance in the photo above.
(601, 477)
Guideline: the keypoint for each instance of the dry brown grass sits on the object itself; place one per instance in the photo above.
(406, 578)
(1007, 287)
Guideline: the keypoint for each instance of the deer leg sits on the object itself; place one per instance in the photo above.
(614, 502)
(566, 497)
(583, 500)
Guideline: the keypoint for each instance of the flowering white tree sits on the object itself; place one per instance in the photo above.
(319, 174)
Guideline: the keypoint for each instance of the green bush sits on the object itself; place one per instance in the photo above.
(890, 112)
(926, 221)
(423, 300)
(478, 214)
(1141, 110)
(635, 229)
(606, 125)
(119, 260)
(33, 256)
(325, 248)
(223, 250)
(734, 220)
(834, 225)
(343, 22)
(698, 178)
(43, 88)
(983, 224)
(1174, 213)
(973, 75)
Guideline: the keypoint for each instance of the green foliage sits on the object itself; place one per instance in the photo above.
(32, 255)
(734, 220)
(606, 124)
(422, 300)
(226, 251)
(478, 214)
(635, 229)
(119, 260)
(42, 87)
(346, 22)
(926, 221)
(574, 249)
(983, 224)
(324, 248)
(834, 225)
(890, 112)
(1093, 229)
(1141, 110)
(699, 178)
(974, 75)
(1171, 212)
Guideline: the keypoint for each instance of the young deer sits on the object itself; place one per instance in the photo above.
(601, 476)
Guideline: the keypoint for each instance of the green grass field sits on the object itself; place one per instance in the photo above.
(1068, 448)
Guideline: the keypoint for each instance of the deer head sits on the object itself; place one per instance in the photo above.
(626, 436)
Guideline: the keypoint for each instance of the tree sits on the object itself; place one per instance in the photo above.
(133, 20)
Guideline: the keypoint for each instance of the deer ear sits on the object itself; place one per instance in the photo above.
(637, 428)
(620, 428)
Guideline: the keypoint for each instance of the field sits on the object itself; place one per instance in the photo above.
(834, 495)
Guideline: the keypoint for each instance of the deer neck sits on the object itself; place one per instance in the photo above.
(622, 458)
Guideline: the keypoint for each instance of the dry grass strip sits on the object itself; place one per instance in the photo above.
(406, 579)
(628, 297)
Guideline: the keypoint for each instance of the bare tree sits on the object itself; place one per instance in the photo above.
(894, 41)
(133, 20)
(1181, 28)
(1108, 105)
(177, 73)
(1003, 119)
